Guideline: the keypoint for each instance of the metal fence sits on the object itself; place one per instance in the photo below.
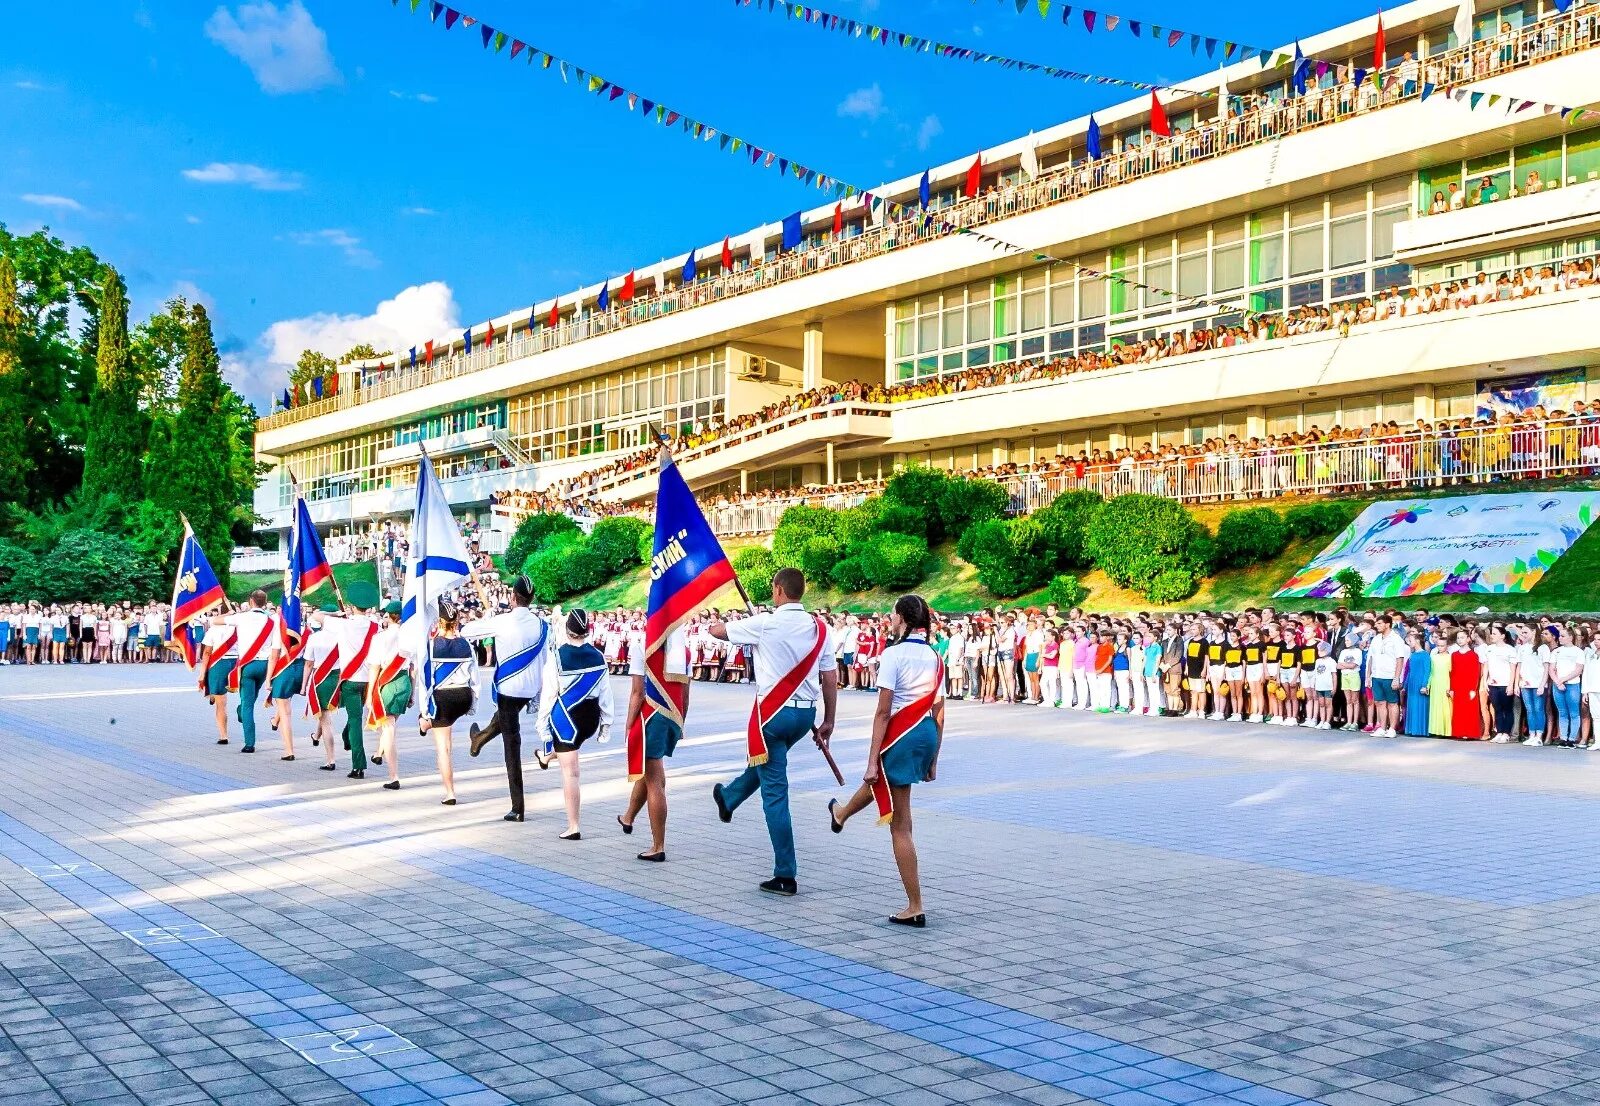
(1554, 36)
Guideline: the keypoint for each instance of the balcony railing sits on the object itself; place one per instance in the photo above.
(1552, 37)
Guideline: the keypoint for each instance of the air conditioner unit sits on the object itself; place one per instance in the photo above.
(759, 368)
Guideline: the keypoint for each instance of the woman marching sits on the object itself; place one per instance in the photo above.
(574, 705)
(907, 731)
(455, 687)
(389, 690)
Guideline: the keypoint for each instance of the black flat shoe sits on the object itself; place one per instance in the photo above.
(222, 741)
(357, 774)
(513, 817)
(544, 761)
(723, 813)
(777, 885)
(475, 746)
(447, 802)
(392, 785)
(832, 821)
(377, 760)
(315, 741)
(248, 749)
(916, 921)
(654, 858)
(328, 767)
(572, 836)
(627, 827)
(289, 757)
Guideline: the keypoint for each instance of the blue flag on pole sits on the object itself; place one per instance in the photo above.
(689, 268)
(413, 357)
(1297, 74)
(437, 564)
(1092, 143)
(792, 233)
(603, 301)
(306, 569)
(195, 591)
(924, 190)
(466, 338)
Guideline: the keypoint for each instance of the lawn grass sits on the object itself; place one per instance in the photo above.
(241, 584)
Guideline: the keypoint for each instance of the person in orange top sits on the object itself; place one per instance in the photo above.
(1101, 692)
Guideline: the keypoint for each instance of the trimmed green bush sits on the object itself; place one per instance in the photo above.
(892, 560)
(754, 565)
(531, 533)
(616, 543)
(800, 524)
(920, 488)
(17, 568)
(819, 556)
(1066, 592)
(1064, 522)
(858, 523)
(1322, 519)
(548, 568)
(1250, 535)
(901, 519)
(965, 502)
(1172, 585)
(849, 575)
(1134, 539)
(1012, 557)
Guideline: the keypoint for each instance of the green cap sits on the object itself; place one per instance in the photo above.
(328, 606)
(362, 596)
(392, 608)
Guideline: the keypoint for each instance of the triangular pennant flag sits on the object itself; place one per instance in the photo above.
(517, 46)
(487, 32)
(450, 17)
(1112, 21)
(1088, 20)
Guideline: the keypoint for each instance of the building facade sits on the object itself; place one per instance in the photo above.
(1263, 201)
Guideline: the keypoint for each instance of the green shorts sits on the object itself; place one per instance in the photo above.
(217, 676)
(661, 735)
(396, 695)
(286, 684)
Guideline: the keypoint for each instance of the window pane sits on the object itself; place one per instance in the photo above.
(1159, 279)
(953, 328)
(1348, 242)
(1305, 251)
(1383, 224)
(1033, 311)
(1192, 276)
(1266, 259)
(978, 321)
(927, 333)
(1093, 302)
(1305, 293)
(1227, 269)
(905, 340)
(1390, 276)
(1062, 307)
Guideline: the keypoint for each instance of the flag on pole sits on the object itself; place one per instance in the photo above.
(1030, 159)
(306, 570)
(627, 288)
(555, 315)
(1158, 117)
(792, 232)
(466, 339)
(603, 300)
(195, 591)
(687, 570)
(689, 268)
(488, 339)
(924, 190)
(1092, 141)
(838, 219)
(974, 177)
(1299, 70)
(1380, 46)
(727, 255)
(438, 563)
(1463, 23)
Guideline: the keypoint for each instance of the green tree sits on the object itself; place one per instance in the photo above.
(361, 351)
(118, 431)
(15, 462)
(311, 364)
(197, 468)
(159, 345)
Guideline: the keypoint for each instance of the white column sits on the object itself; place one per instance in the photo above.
(1423, 402)
(744, 481)
(811, 357)
(829, 451)
(1255, 422)
(1117, 436)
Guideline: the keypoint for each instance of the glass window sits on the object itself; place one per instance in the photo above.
(1305, 214)
(1391, 191)
(1061, 341)
(1159, 279)
(1537, 167)
(1398, 406)
(1266, 259)
(927, 333)
(1305, 293)
(1583, 156)
(1383, 224)
(953, 327)
(1268, 299)
(979, 319)
(1062, 305)
(1227, 268)
(1227, 232)
(1347, 286)
(1033, 317)
(1092, 302)
(1488, 178)
(1349, 202)
(1390, 276)
(1091, 337)
(1305, 250)
(1033, 347)
(1005, 315)
(977, 355)
(1347, 240)
(1192, 275)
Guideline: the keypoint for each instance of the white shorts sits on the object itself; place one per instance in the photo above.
(1253, 673)
(1289, 677)
(1235, 673)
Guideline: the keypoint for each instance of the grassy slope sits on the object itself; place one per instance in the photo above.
(243, 583)
(1572, 585)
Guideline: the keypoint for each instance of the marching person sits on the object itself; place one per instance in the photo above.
(287, 681)
(249, 676)
(575, 704)
(794, 669)
(659, 731)
(389, 690)
(219, 649)
(321, 658)
(907, 731)
(520, 638)
(356, 631)
(455, 689)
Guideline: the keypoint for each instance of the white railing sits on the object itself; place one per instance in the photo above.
(1555, 36)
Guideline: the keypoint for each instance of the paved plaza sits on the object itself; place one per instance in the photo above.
(1130, 912)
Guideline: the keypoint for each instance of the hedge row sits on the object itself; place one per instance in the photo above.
(560, 560)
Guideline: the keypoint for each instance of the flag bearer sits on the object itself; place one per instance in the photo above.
(249, 675)
(388, 689)
(356, 629)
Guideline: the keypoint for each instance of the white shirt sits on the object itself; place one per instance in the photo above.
(555, 679)
(386, 646)
(1498, 659)
(782, 640)
(216, 634)
(1385, 654)
(319, 643)
(251, 624)
(1531, 661)
(351, 633)
(514, 632)
(677, 653)
(1566, 663)
(1591, 673)
(910, 670)
(1325, 672)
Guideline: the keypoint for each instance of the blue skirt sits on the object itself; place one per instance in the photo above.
(286, 684)
(907, 761)
(59, 634)
(217, 676)
(30, 635)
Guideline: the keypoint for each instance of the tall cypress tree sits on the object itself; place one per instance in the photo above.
(194, 474)
(15, 461)
(118, 430)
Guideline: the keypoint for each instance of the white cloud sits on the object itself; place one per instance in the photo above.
(863, 103)
(239, 172)
(28, 86)
(930, 129)
(60, 203)
(419, 97)
(192, 220)
(413, 316)
(284, 47)
(343, 240)
(419, 211)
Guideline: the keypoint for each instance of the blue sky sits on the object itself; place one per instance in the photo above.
(320, 171)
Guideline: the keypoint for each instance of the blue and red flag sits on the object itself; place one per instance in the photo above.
(306, 570)
(687, 569)
(194, 592)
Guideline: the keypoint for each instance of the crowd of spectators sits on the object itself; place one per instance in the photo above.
(83, 633)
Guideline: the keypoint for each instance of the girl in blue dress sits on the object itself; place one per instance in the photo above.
(907, 730)
(1419, 670)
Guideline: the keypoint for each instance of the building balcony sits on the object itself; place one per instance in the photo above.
(1557, 212)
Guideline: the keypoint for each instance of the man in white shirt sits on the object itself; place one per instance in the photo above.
(520, 639)
(1385, 659)
(794, 669)
(254, 626)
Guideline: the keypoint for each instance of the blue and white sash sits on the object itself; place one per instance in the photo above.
(582, 685)
(517, 662)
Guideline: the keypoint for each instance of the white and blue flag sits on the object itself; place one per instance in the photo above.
(438, 564)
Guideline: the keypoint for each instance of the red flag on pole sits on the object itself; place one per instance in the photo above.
(974, 177)
(427, 356)
(838, 219)
(1380, 51)
(727, 256)
(488, 339)
(555, 314)
(1158, 117)
(627, 289)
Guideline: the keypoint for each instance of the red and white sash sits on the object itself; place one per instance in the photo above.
(250, 653)
(767, 706)
(219, 653)
(292, 646)
(314, 677)
(352, 672)
(664, 693)
(376, 714)
(902, 722)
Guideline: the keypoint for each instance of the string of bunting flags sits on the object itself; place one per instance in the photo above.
(496, 41)
(870, 33)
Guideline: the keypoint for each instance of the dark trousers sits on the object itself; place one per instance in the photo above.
(353, 697)
(1500, 703)
(507, 725)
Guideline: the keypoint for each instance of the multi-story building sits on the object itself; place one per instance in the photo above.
(1261, 201)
